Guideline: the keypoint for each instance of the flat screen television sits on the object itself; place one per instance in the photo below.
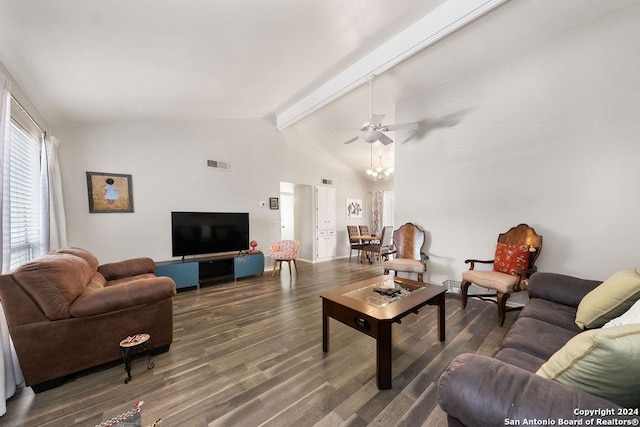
(197, 233)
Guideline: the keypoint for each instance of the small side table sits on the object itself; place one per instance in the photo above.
(135, 344)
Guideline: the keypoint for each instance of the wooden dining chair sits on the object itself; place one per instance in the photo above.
(384, 248)
(354, 242)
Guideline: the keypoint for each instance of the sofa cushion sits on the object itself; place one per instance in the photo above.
(551, 312)
(54, 281)
(82, 253)
(127, 268)
(560, 288)
(129, 279)
(536, 337)
(510, 259)
(603, 362)
(609, 300)
(124, 295)
(97, 282)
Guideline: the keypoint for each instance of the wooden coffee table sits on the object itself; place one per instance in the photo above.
(359, 306)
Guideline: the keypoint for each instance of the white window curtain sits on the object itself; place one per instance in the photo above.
(5, 137)
(53, 230)
(10, 374)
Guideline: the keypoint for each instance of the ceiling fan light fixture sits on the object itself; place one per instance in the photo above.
(370, 136)
(372, 130)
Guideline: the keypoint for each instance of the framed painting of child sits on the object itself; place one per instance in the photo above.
(109, 192)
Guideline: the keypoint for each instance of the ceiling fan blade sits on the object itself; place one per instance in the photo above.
(400, 126)
(349, 129)
(385, 139)
(355, 138)
(376, 119)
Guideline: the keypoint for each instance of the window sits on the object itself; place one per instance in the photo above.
(24, 172)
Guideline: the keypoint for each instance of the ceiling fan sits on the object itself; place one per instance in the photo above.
(372, 130)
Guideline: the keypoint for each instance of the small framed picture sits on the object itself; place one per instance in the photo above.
(354, 208)
(109, 192)
(274, 203)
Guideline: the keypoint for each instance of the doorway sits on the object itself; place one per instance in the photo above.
(287, 213)
(296, 217)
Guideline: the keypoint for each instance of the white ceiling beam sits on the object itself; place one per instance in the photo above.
(434, 26)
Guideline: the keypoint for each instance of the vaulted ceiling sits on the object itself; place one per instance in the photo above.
(109, 61)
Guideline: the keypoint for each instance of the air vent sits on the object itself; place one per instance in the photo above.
(327, 181)
(221, 165)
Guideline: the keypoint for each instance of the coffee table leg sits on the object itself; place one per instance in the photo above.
(383, 355)
(441, 317)
(325, 329)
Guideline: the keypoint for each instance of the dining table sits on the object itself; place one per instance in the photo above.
(367, 239)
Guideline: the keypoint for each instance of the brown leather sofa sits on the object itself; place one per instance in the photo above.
(66, 313)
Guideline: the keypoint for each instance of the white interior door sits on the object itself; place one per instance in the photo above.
(286, 217)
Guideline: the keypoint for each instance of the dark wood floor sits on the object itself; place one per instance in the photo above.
(250, 354)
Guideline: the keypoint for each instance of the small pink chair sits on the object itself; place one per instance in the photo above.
(284, 250)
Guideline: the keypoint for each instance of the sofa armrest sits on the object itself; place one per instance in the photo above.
(127, 268)
(480, 391)
(567, 290)
(123, 295)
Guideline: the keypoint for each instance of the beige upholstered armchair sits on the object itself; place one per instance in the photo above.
(409, 258)
(516, 253)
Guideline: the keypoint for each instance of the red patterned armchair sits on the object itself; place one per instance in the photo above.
(514, 261)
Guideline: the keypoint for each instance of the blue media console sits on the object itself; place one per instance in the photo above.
(196, 271)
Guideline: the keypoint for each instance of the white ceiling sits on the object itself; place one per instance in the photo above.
(109, 61)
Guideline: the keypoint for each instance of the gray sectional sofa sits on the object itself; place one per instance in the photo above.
(477, 390)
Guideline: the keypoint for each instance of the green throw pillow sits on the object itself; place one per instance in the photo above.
(603, 362)
(610, 299)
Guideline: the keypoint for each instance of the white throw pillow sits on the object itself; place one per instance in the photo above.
(631, 316)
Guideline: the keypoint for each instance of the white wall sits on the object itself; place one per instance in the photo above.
(549, 136)
(167, 164)
(18, 94)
